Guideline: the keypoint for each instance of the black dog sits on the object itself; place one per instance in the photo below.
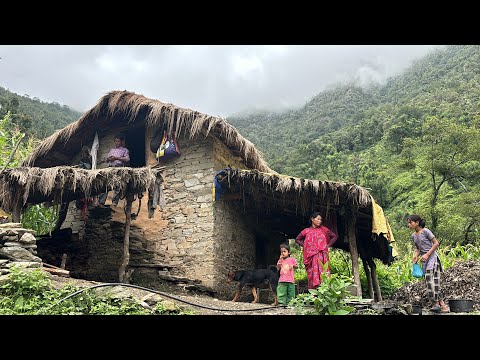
(255, 278)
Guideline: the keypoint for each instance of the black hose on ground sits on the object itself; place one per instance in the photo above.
(160, 293)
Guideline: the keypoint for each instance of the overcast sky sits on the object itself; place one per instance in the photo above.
(213, 79)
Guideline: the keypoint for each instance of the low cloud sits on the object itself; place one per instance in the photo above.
(217, 80)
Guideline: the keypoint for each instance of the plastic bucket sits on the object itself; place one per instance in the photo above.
(460, 305)
(416, 310)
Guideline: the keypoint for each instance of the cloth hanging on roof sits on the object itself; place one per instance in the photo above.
(156, 198)
(168, 147)
(381, 226)
(156, 139)
(94, 151)
(217, 188)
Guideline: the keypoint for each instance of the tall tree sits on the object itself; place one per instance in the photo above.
(448, 149)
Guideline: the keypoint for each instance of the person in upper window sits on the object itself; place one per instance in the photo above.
(116, 157)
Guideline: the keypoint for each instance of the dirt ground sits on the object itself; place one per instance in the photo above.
(462, 281)
(186, 300)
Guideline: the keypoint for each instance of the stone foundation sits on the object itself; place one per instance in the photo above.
(18, 246)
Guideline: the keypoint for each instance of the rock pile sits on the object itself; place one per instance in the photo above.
(17, 246)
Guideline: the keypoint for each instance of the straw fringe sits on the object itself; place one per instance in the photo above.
(169, 116)
(35, 185)
(304, 189)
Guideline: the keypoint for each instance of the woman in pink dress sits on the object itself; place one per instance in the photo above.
(315, 241)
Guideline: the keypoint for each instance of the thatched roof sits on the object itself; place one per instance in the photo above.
(297, 194)
(272, 203)
(63, 183)
(123, 108)
(35, 185)
(280, 204)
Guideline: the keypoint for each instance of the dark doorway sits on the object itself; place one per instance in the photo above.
(260, 252)
(135, 143)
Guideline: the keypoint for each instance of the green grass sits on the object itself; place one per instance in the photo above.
(30, 292)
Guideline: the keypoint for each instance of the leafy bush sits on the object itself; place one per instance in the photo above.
(327, 299)
(40, 218)
(10, 136)
(31, 292)
(36, 217)
(25, 292)
(449, 254)
(296, 251)
(162, 309)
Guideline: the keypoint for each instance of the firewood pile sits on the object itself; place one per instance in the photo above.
(461, 281)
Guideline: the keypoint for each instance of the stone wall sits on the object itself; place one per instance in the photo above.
(186, 240)
(234, 245)
(74, 220)
(98, 254)
(182, 235)
(234, 239)
(17, 247)
(223, 157)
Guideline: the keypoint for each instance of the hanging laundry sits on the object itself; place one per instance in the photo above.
(217, 188)
(94, 151)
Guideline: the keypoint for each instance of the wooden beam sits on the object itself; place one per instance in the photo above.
(126, 239)
(151, 265)
(59, 272)
(51, 266)
(352, 242)
(17, 212)
(64, 260)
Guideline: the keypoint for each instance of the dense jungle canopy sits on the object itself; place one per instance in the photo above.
(413, 141)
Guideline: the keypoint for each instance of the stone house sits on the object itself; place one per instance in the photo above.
(192, 236)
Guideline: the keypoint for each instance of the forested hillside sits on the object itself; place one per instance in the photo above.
(33, 116)
(413, 141)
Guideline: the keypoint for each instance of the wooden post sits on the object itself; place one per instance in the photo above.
(352, 242)
(369, 279)
(376, 285)
(17, 212)
(126, 239)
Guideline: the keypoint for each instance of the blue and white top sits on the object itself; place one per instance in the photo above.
(423, 242)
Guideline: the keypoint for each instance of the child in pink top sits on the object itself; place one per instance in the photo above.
(286, 283)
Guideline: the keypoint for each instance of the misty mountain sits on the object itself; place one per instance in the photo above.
(34, 116)
(352, 118)
(413, 142)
